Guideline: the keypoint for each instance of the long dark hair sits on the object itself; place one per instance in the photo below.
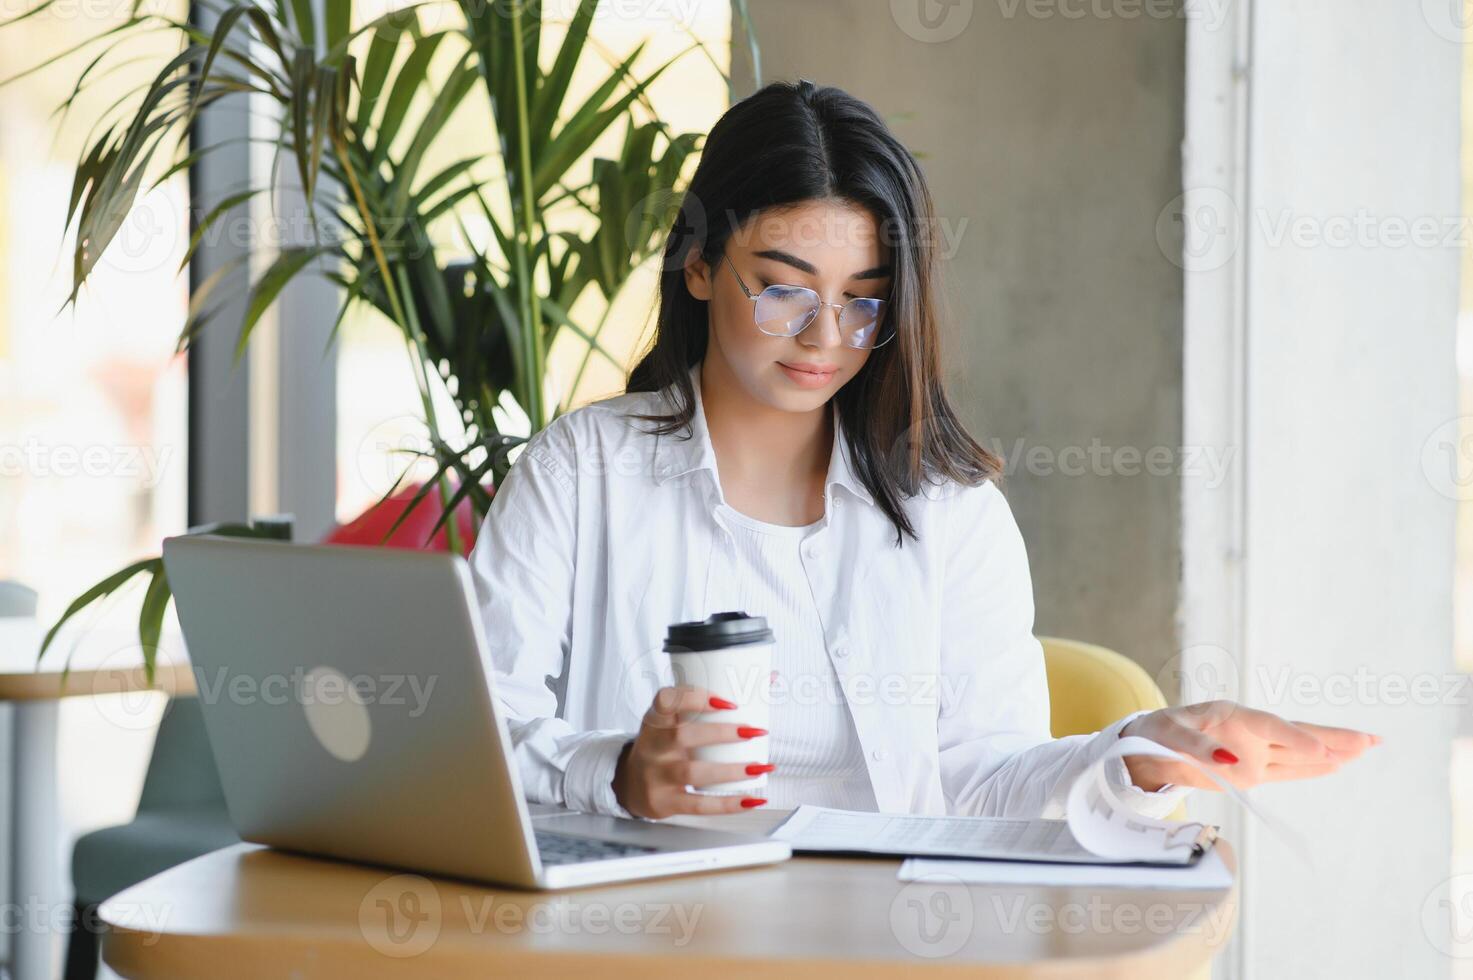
(785, 145)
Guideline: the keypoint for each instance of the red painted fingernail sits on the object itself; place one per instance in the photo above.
(752, 801)
(1224, 756)
(747, 731)
(720, 702)
(758, 768)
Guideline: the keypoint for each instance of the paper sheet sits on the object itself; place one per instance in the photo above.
(816, 828)
(1210, 873)
(1099, 828)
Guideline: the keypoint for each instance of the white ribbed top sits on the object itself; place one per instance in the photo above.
(813, 741)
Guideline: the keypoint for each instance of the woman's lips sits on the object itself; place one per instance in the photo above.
(807, 379)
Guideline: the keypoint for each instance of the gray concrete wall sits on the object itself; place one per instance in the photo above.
(1052, 144)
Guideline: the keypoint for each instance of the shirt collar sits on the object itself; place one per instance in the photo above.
(675, 456)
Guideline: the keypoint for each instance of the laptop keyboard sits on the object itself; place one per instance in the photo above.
(562, 849)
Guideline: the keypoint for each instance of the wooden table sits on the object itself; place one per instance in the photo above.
(250, 912)
(99, 667)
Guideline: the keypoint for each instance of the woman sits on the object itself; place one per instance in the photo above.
(786, 448)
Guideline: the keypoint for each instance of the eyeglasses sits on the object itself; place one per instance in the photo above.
(786, 311)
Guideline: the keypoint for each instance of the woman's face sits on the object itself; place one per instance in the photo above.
(830, 247)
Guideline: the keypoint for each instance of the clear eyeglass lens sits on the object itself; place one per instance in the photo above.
(861, 322)
(784, 311)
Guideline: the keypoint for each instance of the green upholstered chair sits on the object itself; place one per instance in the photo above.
(181, 815)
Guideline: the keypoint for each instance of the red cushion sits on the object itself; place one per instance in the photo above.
(369, 527)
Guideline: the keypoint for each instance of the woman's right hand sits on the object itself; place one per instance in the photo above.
(655, 768)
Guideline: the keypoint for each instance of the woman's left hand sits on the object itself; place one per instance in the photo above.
(1242, 745)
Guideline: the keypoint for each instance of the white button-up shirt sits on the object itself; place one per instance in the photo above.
(603, 534)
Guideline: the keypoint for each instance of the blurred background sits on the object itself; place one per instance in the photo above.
(1211, 297)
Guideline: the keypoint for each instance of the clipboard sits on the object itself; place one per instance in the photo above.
(851, 833)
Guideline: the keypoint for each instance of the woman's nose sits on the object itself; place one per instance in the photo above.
(825, 330)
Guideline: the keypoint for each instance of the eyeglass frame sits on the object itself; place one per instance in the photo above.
(884, 304)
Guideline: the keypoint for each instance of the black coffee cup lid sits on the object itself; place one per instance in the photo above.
(717, 631)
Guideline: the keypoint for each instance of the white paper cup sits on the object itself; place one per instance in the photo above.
(739, 673)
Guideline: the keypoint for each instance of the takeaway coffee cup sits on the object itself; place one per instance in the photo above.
(730, 655)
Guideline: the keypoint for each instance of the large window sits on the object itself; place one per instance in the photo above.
(92, 402)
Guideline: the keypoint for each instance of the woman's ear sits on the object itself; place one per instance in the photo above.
(698, 275)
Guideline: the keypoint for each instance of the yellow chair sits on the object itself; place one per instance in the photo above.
(1090, 686)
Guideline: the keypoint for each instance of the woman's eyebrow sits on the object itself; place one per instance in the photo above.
(777, 255)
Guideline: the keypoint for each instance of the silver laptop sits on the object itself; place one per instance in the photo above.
(349, 701)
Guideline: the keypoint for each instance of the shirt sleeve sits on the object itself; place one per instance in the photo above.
(996, 753)
(1151, 803)
(522, 567)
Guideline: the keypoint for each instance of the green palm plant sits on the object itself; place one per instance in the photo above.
(478, 326)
